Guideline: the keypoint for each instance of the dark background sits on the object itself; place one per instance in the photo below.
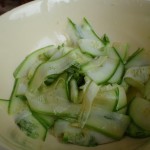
(6, 5)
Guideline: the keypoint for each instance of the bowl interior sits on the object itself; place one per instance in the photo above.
(43, 22)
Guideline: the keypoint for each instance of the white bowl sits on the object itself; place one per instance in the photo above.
(43, 22)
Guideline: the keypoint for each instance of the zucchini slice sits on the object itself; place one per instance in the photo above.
(74, 93)
(9, 131)
(61, 51)
(137, 76)
(83, 31)
(51, 67)
(46, 120)
(91, 47)
(139, 110)
(19, 89)
(122, 98)
(122, 110)
(68, 133)
(102, 73)
(88, 99)
(135, 131)
(107, 99)
(109, 123)
(53, 100)
(18, 107)
(33, 60)
(117, 77)
(88, 31)
(30, 125)
(122, 50)
(138, 58)
(25, 120)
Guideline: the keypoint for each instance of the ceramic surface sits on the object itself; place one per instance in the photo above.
(43, 22)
